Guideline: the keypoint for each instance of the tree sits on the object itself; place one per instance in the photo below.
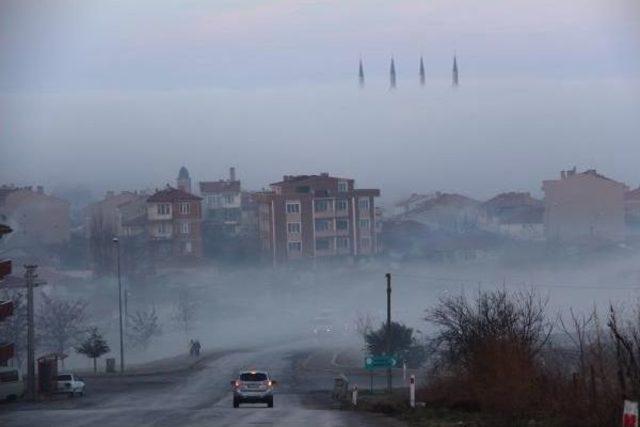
(60, 322)
(364, 325)
(403, 344)
(93, 346)
(142, 327)
(185, 310)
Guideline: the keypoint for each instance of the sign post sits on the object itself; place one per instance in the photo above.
(630, 415)
(412, 391)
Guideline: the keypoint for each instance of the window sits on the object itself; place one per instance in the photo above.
(164, 209)
(341, 204)
(228, 198)
(185, 208)
(293, 227)
(212, 201)
(187, 247)
(365, 243)
(293, 207)
(323, 244)
(343, 186)
(364, 223)
(363, 204)
(9, 376)
(324, 225)
(294, 246)
(322, 205)
(253, 376)
(185, 228)
(342, 224)
(163, 228)
(342, 243)
(64, 378)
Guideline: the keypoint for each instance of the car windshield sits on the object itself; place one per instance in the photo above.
(9, 376)
(64, 377)
(248, 376)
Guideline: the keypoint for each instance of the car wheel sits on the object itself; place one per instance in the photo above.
(270, 402)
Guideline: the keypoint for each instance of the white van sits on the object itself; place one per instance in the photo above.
(11, 383)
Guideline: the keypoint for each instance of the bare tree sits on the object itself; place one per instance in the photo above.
(364, 325)
(185, 310)
(61, 322)
(142, 326)
(14, 328)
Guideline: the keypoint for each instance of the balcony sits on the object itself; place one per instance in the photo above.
(6, 352)
(6, 309)
(5, 268)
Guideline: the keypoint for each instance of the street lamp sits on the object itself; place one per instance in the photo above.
(117, 245)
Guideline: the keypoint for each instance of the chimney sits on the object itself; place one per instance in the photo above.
(324, 174)
(232, 173)
(40, 189)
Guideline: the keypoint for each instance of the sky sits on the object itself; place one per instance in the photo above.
(115, 94)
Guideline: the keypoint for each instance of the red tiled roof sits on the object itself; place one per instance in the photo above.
(171, 194)
(219, 186)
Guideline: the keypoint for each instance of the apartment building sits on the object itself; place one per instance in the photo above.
(174, 220)
(312, 216)
(222, 203)
(584, 206)
(6, 307)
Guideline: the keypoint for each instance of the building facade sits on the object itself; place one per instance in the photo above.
(313, 216)
(174, 224)
(37, 219)
(6, 307)
(584, 206)
(222, 203)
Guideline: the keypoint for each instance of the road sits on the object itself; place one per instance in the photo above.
(199, 398)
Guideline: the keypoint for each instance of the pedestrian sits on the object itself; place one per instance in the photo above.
(192, 347)
(197, 348)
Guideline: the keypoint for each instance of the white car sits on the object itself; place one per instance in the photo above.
(11, 383)
(70, 384)
(253, 387)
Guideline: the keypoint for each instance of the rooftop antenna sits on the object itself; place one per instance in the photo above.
(423, 75)
(361, 74)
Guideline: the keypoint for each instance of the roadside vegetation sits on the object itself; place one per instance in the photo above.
(504, 355)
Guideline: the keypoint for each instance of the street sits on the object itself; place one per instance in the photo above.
(200, 397)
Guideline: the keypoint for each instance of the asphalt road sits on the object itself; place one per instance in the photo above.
(200, 397)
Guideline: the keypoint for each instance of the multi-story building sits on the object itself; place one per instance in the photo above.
(311, 216)
(584, 206)
(6, 307)
(222, 203)
(174, 221)
(37, 219)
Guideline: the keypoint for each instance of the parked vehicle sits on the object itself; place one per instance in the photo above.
(70, 384)
(11, 383)
(253, 387)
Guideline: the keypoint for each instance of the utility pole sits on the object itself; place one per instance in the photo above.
(30, 277)
(388, 276)
(117, 243)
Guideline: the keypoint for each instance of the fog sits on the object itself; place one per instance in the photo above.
(91, 90)
(118, 95)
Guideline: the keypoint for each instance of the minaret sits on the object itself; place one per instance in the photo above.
(361, 74)
(423, 76)
(454, 72)
(184, 180)
(392, 75)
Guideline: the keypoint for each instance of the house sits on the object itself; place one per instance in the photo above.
(585, 206)
(174, 224)
(37, 219)
(516, 215)
(445, 211)
(632, 213)
(407, 205)
(315, 216)
(105, 216)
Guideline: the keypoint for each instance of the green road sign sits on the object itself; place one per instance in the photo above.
(379, 362)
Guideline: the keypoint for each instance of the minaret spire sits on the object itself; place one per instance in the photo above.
(423, 76)
(454, 72)
(361, 73)
(392, 75)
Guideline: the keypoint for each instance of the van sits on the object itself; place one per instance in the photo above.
(11, 383)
